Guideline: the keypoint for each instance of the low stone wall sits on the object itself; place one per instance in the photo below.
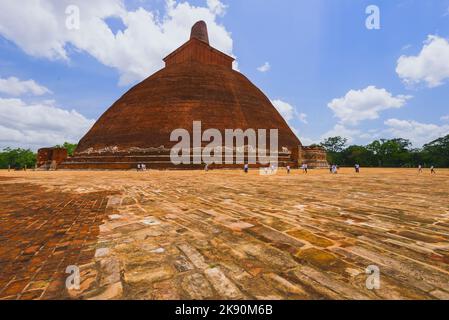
(314, 157)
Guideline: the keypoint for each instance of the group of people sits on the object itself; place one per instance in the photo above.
(432, 169)
(268, 170)
(332, 169)
(141, 167)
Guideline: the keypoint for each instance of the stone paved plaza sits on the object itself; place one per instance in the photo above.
(224, 234)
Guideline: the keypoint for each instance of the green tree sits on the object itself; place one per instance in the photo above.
(17, 158)
(334, 146)
(358, 155)
(436, 153)
(70, 147)
(390, 153)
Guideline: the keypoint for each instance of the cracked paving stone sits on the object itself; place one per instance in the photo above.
(224, 235)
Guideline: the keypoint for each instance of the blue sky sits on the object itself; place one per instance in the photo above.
(324, 70)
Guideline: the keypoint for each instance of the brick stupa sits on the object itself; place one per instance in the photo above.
(198, 83)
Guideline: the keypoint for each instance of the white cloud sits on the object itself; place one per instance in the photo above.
(285, 109)
(265, 67)
(418, 133)
(14, 87)
(38, 125)
(431, 65)
(445, 118)
(306, 141)
(136, 52)
(366, 104)
(289, 112)
(406, 47)
(217, 7)
(303, 117)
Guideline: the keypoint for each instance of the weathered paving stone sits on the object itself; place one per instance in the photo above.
(110, 271)
(273, 236)
(225, 287)
(224, 234)
(272, 258)
(182, 264)
(114, 202)
(335, 288)
(150, 221)
(44, 232)
(415, 271)
(195, 257)
(320, 259)
(165, 290)
(148, 275)
(311, 238)
(286, 286)
(197, 287)
(439, 294)
(101, 252)
(112, 292)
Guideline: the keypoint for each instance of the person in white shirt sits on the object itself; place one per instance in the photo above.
(334, 169)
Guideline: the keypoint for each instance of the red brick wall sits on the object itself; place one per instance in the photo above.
(196, 50)
(46, 155)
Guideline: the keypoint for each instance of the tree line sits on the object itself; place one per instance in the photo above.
(25, 158)
(387, 153)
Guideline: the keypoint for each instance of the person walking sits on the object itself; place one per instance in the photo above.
(357, 168)
(334, 169)
(420, 169)
(304, 168)
(246, 168)
(288, 169)
(432, 170)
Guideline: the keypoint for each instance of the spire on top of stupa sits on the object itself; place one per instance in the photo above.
(199, 31)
